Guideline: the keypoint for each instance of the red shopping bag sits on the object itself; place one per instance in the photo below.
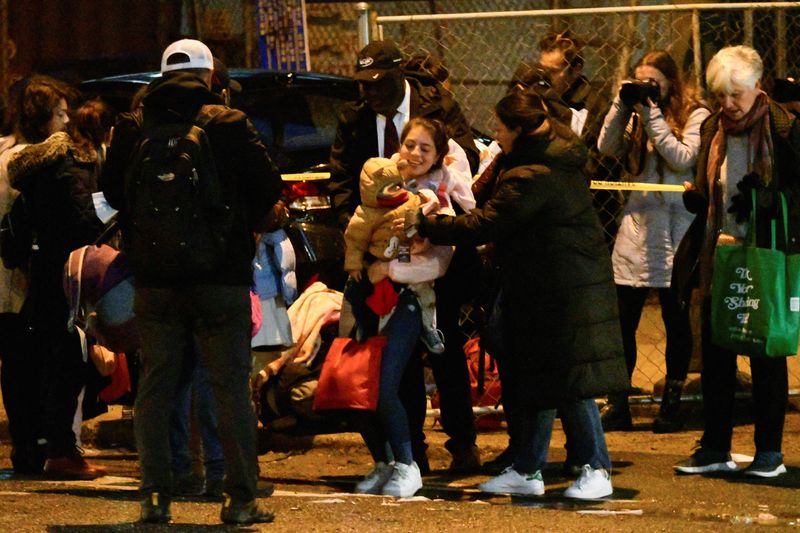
(350, 375)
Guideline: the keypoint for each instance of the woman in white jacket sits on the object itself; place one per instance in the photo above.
(659, 141)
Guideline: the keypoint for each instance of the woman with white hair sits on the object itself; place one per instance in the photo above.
(751, 143)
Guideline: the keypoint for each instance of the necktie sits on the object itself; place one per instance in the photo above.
(391, 141)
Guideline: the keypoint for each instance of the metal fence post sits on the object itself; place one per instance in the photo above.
(748, 27)
(780, 45)
(697, 50)
(4, 51)
(363, 24)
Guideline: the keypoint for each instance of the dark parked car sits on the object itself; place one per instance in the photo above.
(296, 115)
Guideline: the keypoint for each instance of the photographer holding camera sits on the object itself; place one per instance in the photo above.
(654, 125)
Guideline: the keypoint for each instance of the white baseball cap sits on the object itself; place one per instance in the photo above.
(186, 53)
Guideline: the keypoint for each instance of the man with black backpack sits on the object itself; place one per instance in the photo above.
(192, 182)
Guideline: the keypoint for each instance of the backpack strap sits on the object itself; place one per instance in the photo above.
(77, 312)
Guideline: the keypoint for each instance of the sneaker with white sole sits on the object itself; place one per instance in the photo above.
(512, 482)
(704, 461)
(404, 482)
(374, 481)
(592, 484)
(766, 466)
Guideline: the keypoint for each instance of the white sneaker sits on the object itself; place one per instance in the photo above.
(512, 482)
(404, 482)
(374, 481)
(590, 485)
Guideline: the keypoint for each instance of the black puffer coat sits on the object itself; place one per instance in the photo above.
(57, 178)
(560, 318)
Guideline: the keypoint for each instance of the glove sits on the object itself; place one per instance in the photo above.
(694, 201)
(742, 203)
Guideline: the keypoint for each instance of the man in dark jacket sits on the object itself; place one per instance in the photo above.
(211, 306)
(361, 134)
(561, 59)
(365, 130)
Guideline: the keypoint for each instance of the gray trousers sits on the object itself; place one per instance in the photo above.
(218, 319)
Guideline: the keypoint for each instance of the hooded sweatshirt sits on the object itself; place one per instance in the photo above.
(250, 181)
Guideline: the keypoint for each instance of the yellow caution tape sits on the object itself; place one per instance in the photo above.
(595, 184)
(306, 176)
(634, 186)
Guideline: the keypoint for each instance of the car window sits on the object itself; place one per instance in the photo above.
(296, 126)
(314, 128)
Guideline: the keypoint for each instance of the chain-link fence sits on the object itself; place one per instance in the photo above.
(482, 51)
(482, 48)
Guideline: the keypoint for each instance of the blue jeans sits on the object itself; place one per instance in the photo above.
(217, 321)
(197, 390)
(581, 422)
(402, 332)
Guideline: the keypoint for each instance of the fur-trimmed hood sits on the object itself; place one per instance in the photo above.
(27, 164)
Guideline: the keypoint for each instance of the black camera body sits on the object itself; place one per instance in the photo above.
(786, 90)
(637, 92)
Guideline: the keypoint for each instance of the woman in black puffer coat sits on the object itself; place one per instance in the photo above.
(58, 177)
(559, 311)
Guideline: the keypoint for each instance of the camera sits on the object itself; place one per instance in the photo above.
(637, 92)
(786, 90)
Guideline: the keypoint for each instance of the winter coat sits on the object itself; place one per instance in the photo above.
(250, 182)
(690, 268)
(370, 228)
(57, 178)
(585, 95)
(653, 223)
(357, 140)
(559, 311)
(13, 283)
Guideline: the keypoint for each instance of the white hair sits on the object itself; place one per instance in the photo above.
(733, 66)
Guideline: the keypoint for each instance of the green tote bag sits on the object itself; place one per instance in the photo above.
(755, 296)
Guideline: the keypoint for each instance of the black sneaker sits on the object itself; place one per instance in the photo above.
(213, 489)
(704, 461)
(765, 467)
(433, 339)
(234, 512)
(466, 461)
(155, 509)
(616, 415)
(191, 485)
(497, 465)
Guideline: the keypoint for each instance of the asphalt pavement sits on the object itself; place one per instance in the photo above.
(314, 478)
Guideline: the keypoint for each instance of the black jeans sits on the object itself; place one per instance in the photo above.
(676, 322)
(64, 374)
(21, 382)
(42, 375)
(218, 319)
(770, 394)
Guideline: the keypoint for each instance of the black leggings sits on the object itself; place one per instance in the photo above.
(676, 322)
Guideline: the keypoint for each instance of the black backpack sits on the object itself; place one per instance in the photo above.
(176, 217)
(17, 237)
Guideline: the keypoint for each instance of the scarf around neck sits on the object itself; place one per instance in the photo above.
(757, 126)
(756, 123)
